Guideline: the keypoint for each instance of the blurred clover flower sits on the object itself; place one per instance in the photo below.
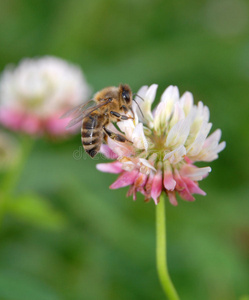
(32, 98)
(35, 93)
(165, 145)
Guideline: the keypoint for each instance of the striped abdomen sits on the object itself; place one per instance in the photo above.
(92, 133)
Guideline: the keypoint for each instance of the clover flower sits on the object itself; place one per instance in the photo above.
(166, 142)
(35, 93)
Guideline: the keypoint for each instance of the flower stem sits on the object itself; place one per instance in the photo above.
(11, 178)
(161, 252)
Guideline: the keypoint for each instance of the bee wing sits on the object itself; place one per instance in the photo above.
(85, 113)
(76, 111)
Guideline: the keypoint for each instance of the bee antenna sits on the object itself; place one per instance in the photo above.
(139, 108)
(135, 94)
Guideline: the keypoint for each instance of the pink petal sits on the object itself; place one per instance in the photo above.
(182, 188)
(148, 187)
(188, 160)
(114, 167)
(193, 187)
(168, 181)
(138, 185)
(140, 180)
(184, 194)
(11, 119)
(31, 125)
(108, 153)
(126, 178)
(121, 149)
(56, 126)
(157, 185)
(172, 198)
(132, 191)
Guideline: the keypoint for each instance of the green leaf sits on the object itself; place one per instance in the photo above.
(36, 210)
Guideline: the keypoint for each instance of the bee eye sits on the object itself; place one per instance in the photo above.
(126, 96)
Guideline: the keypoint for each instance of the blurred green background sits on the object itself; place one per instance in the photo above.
(96, 243)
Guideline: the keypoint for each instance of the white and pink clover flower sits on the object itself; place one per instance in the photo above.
(165, 145)
(37, 92)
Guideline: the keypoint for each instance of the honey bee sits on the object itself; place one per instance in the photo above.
(111, 105)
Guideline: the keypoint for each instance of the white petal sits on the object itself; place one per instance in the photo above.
(121, 149)
(128, 166)
(194, 172)
(151, 93)
(141, 92)
(202, 111)
(147, 164)
(213, 138)
(211, 148)
(127, 127)
(139, 102)
(176, 155)
(145, 105)
(178, 133)
(138, 138)
(178, 114)
(187, 101)
(221, 147)
(198, 140)
(165, 108)
(170, 94)
(160, 117)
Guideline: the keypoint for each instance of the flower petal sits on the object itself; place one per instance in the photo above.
(178, 133)
(138, 137)
(148, 186)
(170, 96)
(139, 101)
(127, 127)
(193, 186)
(156, 188)
(194, 172)
(121, 149)
(147, 164)
(186, 102)
(182, 188)
(145, 105)
(126, 178)
(176, 155)
(186, 195)
(151, 93)
(140, 180)
(165, 108)
(168, 181)
(211, 148)
(172, 198)
(114, 167)
(107, 152)
(196, 140)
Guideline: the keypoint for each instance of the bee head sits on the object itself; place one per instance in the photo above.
(125, 94)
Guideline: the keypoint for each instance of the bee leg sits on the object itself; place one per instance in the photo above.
(119, 116)
(116, 136)
(132, 113)
(105, 136)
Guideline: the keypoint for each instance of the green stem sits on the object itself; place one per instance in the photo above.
(11, 178)
(161, 252)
